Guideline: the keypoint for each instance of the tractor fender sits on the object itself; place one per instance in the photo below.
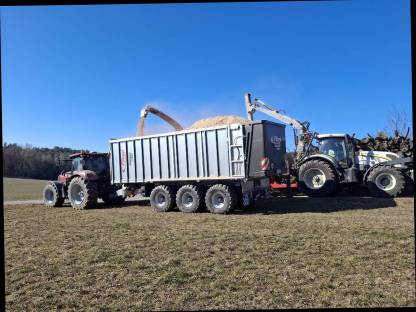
(60, 186)
(367, 172)
(399, 161)
(325, 158)
(384, 163)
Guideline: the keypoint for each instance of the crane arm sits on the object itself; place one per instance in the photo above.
(301, 141)
(258, 105)
(149, 109)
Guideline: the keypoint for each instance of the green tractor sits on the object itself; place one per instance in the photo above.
(86, 182)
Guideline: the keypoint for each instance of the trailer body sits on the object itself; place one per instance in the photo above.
(242, 155)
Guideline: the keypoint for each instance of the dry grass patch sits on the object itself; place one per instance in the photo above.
(22, 189)
(134, 258)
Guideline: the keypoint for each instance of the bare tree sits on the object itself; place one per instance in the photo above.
(397, 121)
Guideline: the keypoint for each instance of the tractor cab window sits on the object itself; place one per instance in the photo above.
(76, 164)
(96, 164)
(334, 147)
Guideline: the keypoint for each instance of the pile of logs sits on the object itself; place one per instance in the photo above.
(381, 142)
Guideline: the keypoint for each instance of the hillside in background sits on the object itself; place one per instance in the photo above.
(33, 162)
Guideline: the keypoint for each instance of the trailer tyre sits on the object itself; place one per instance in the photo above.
(189, 198)
(82, 194)
(162, 198)
(51, 196)
(386, 181)
(220, 199)
(317, 178)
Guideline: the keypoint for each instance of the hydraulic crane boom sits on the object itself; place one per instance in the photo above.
(149, 109)
(301, 139)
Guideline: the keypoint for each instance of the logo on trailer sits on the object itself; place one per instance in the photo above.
(123, 161)
(276, 141)
(264, 164)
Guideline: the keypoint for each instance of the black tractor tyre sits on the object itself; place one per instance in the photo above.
(386, 181)
(113, 200)
(317, 178)
(221, 199)
(82, 194)
(190, 198)
(51, 196)
(162, 198)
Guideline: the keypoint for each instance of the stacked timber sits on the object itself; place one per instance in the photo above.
(381, 142)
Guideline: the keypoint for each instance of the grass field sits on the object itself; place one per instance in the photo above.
(22, 189)
(299, 252)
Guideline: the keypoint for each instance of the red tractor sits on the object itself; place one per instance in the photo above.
(88, 180)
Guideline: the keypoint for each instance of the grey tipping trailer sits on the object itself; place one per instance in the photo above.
(218, 167)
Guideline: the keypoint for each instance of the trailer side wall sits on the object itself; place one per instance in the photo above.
(211, 153)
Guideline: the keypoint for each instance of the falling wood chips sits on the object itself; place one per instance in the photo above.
(218, 120)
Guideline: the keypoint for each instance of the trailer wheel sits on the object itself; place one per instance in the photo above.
(162, 198)
(82, 194)
(220, 199)
(386, 182)
(317, 178)
(51, 196)
(189, 198)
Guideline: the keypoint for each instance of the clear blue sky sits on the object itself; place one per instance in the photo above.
(77, 76)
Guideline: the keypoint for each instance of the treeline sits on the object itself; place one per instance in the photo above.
(34, 162)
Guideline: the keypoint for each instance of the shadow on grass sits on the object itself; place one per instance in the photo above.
(284, 205)
(128, 203)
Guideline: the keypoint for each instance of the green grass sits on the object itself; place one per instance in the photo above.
(353, 252)
(22, 189)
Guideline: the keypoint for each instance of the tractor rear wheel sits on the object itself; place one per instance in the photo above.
(317, 178)
(82, 194)
(386, 182)
(221, 199)
(162, 198)
(113, 199)
(51, 196)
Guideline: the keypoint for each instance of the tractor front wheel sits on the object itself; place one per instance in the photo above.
(386, 182)
(51, 196)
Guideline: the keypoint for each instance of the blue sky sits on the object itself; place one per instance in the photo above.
(77, 76)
